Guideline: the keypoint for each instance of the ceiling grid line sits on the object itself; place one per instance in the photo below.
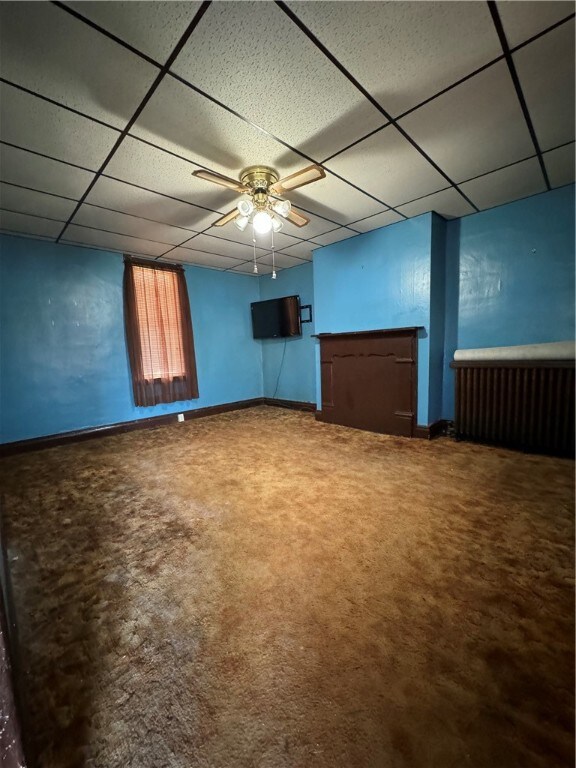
(160, 76)
(157, 146)
(85, 20)
(544, 163)
(276, 138)
(134, 50)
(517, 87)
(311, 36)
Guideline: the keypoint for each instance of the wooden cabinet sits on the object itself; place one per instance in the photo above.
(368, 380)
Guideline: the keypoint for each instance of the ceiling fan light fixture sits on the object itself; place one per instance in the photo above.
(245, 206)
(262, 222)
(282, 207)
(241, 222)
(276, 224)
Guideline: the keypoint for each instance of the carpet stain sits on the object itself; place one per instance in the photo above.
(261, 590)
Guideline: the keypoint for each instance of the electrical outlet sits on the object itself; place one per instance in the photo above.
(180, 417)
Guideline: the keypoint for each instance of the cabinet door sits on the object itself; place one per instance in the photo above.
(369, 381)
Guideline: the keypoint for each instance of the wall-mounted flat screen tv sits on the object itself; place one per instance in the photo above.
(276, 318)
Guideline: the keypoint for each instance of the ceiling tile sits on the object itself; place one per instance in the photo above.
(449, 203)
(263, 242)
(38, 125)
(522, 20)
(281, 260)
(20, 167)
(214, 138)
(560, 165)
(403, 52)
(507, 184)
(108, 241)
(335, 236)
(388, 166)
(248, 268)
(462, 130)
(375, 222)
(190, 256)
(29, 225)
(149, 205)
(336, 200)
(168, 21)
(99, 218)
(275, 77)
(56, 55)
(212, 244)
(160, 172)
(38, 203)
(303, 250)
(546, 71)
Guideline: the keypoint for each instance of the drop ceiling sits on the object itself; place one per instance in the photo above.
(108, 107)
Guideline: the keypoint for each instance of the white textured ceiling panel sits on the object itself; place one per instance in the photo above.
(275, 77)
(456, 128)
(29, 225)
(505, 185)
(271, 85)
(48, 51)
(560, 165)
(231, 232)
(151, 27)
(333, 198)
(124, 224)
(404, 52)
(302, 250)
(546, 71)
(522, 20)
(38, 203)
(223, 247)
(248, 269)
(388, 166)
(448, 203)
(281, 260)
(202, 259)
(20, 167)
(112, 242)
(159, 172)
(335, 236)
(379, 220)
(38, 125)
(186, 123)
(129, 199)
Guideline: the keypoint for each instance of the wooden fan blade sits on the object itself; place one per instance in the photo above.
(297, 218)
(230, 216)
(298, 179)
(217, 178)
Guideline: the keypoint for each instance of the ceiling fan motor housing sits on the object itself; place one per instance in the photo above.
(259, 178)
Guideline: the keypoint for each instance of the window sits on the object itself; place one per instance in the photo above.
(159, 333)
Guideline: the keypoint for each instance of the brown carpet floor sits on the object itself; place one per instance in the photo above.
(259, 590)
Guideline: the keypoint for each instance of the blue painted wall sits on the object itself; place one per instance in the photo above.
(515, 277)
(501, 277)
(63, 361)
(380, 279)
(288, 364)
(437, 316)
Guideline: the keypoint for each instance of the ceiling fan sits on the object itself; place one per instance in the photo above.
(261, 203)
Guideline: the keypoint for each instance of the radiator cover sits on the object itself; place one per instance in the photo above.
(525, 404)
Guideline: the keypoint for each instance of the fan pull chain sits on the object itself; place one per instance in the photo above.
(254, 246)
(273, 264)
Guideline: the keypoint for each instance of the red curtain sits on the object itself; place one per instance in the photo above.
(159, 333)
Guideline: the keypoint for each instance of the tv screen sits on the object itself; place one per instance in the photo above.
(276, 318)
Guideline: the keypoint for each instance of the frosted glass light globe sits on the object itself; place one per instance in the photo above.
(262, 222)
(245, 206)
(241, 222)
